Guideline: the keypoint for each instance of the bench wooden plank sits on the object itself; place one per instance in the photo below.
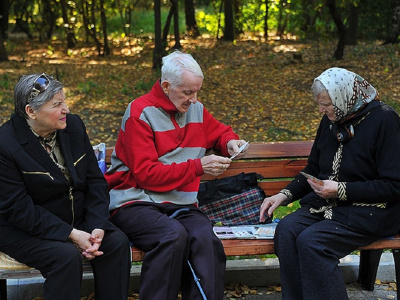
(269, 169)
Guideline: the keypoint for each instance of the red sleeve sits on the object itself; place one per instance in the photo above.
(218, 134)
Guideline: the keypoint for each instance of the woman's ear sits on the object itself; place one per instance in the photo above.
(30, 112)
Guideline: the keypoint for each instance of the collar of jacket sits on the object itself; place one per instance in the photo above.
(162, 99)
(32, 145)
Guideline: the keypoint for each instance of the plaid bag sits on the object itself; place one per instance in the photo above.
(241, 209)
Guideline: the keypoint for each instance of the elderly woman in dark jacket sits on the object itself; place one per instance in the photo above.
(356, 154)
(54, 199)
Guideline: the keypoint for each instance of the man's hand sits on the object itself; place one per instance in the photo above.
(88, 244)
(270, 204)
(233, 147)
(215, 165)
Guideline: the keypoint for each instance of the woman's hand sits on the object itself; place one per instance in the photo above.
(88, 244)
(215, 165)
(270, 204)
(328, 190)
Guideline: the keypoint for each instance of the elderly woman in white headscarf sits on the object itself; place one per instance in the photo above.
(356, 157)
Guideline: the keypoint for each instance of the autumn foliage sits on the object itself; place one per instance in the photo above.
(260, 87)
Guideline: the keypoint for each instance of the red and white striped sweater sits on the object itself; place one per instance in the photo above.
(158, 151)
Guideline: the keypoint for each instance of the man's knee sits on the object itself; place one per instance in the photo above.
(178, 237)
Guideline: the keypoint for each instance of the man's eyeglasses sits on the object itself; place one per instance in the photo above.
(39, 86)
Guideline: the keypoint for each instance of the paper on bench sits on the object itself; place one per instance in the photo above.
(261, 231)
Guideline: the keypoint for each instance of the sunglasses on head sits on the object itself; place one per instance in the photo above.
(39, 86)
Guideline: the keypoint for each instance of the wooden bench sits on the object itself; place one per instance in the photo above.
(278, 163)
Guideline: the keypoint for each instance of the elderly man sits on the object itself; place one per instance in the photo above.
(156, 169)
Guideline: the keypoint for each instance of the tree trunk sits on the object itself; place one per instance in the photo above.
(309, 16)
(4, 12)
(3, 52)
(49, 17)
(394, 29)
(158, 49)
(238, 16)
(219, 18)
(266, 19)
(106, 48)
(352, 31)
(229, 28)
(190, 18)
(176, 25)
(67, 25)
(341, 29)
(22, 17)
(167, 26)
(93, 25)
(280, 25)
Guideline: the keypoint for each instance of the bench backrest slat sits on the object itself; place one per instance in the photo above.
(277, 162)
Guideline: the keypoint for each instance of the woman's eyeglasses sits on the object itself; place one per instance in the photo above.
(39, 86)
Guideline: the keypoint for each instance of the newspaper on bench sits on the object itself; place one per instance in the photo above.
(261, 231)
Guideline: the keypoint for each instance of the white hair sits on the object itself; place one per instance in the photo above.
(317, 88)
(175, 64)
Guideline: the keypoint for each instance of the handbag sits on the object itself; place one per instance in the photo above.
(233, 200)
(221, 188)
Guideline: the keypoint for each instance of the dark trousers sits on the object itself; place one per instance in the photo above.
(309, 248)
(168, 244)
(60, 263)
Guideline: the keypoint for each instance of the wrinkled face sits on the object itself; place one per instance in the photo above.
(184, 95)
(51, 116)
(325, 105)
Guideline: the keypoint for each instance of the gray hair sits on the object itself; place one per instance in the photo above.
(23, 89)
(317, 88)
(175, 64)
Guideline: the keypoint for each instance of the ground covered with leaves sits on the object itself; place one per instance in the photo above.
(261, 88)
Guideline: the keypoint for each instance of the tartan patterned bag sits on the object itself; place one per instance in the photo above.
(241, 209)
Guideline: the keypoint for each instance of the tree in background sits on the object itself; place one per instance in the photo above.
(3, 52)
(106, 48)
(67, 25)
(22, 11)
(394, 29)
(191, 24)
(229, 34)
(158, 49)
(352, 30)
(175, 4)
(347, 33)
(4, 12)
(266, 19)
(85, 20)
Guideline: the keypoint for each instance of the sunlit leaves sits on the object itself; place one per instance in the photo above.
(258, 87)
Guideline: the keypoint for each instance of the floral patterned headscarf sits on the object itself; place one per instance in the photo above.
(348, 91)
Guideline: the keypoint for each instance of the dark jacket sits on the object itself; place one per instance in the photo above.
(36, 197)
(370, 167)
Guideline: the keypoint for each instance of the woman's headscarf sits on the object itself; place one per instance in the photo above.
(348, 91)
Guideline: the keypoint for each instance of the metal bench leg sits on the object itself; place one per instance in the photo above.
(396, 258)
(3, 289)
(369, 262)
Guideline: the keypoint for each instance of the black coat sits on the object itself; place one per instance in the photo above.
(36, 197)
(370, 167)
